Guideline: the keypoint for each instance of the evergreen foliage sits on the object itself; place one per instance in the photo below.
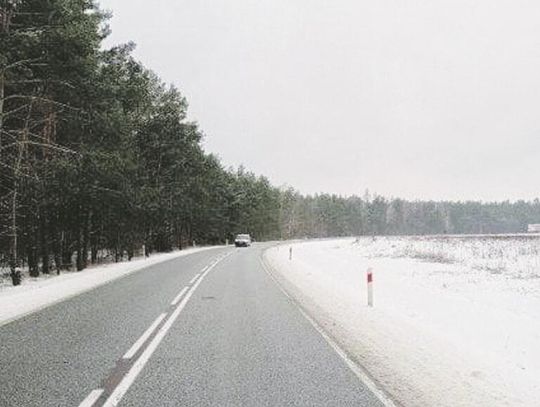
(97, 158)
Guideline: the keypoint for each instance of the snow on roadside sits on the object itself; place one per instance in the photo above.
(36, 293)
(455, 322)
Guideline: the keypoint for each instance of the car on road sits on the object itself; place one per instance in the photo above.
(243, 240)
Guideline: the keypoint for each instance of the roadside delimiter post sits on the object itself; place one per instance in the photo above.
(370, 287)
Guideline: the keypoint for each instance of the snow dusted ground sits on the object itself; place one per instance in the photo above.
(36, 293)
(456, 320)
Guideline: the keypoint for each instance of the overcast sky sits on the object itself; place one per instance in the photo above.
(430, 99)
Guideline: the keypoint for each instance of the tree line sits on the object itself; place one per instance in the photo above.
(326, 215)
(97, 157)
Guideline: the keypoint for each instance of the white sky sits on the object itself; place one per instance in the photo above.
(436, 99)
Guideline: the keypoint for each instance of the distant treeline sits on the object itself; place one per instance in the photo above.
(330, 215)
(96, 155)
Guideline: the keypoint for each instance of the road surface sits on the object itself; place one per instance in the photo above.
(208, 329)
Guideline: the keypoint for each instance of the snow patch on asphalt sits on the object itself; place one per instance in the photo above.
(36, 293)
(455, 321)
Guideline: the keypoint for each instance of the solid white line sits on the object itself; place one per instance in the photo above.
(356, 369)
(139, 364)
(137, 345)
(364, 378)
(180, 294)
(91, 398)
(194, 278)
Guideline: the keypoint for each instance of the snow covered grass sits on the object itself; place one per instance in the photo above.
(456, 320)
(36, 293)
(513, 256)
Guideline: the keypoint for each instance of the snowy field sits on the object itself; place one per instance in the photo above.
(455, 322)
(36, 293)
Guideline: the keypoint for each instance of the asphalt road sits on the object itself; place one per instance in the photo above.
(208, 329)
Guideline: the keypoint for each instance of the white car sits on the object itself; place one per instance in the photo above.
(242, 240)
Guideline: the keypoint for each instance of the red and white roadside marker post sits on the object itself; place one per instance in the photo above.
(370, 287)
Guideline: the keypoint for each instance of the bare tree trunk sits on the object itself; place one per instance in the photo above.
(80, 251)
(93, 253)
(2, 92)
(45, 261)
(67, 257)
(14, 255)
(33, 268)
(180, 243)
(15, 273)
(66, 251)
(57, 246)
(86, 237)
(5, 17)
(4, 27)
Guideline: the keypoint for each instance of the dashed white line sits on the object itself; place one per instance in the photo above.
(139, 364)
(194, 278)
(91, 398)
(137, 345)
(180, 294)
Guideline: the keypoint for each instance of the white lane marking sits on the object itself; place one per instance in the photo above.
(356, 369)
(180, 294)
(91, 398)
(194, 278)
(139, 364)
(137, 345)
